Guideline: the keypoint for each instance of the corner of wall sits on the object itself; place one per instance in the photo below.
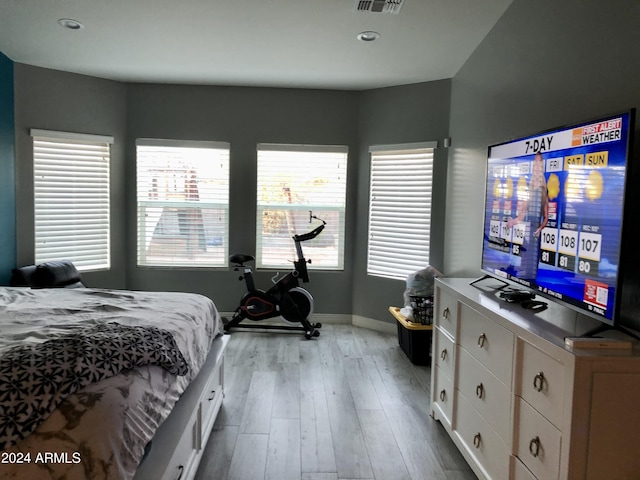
(7, 166)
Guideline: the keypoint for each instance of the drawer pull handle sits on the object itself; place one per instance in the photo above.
(534, 447)
(476, 440)
(443, 354)
(443, 395)
(538, 381)
(445, 313)
(481, 339)
(213, 393)
(181, 470)
(480, 391)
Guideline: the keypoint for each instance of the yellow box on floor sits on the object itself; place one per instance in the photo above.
(413, 338)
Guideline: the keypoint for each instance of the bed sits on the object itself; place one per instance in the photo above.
(148, 421)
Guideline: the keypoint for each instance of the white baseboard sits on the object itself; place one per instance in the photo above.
(377, 325)
(332, 318)
(341, 319)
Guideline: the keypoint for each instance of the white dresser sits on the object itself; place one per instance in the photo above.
(518, 403)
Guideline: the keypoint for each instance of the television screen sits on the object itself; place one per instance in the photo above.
(554, 209)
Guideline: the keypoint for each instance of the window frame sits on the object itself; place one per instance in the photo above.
(389, 194)
(78, 153)
(142, 257)
(321, 210)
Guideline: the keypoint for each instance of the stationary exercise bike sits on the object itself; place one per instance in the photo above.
(285, 298)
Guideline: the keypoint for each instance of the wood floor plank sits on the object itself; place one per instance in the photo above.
(352, 458)
(218, 453)
(283, 451)
(319, 476)
(385, 456)
(418, 458)
(286, 396)
(288, 348)
(330, 380)
(310, 367)
(347, 344)
(396, 379)
(316, 442)
(237, 381)
(362, 389)
(387, 394)
(399, 375)
(448, 456)
(256, 417)
(458, 475)
(371, 342)
(438, 441)
(330, 354)
(249, 349)
(254, 448)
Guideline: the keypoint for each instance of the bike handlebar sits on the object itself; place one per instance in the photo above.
(310, 235)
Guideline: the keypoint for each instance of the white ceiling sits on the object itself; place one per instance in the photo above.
(278, 43)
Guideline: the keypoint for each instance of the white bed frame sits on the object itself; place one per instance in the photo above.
(176, 449)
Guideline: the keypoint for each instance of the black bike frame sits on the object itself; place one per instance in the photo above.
(272, 299)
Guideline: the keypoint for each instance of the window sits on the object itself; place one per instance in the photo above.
(294, 180)
(71, 198)
(183, 203)
(399, 209)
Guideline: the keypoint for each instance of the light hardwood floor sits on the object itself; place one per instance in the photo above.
(346, 405)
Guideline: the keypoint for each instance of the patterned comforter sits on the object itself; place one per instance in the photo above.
(100, 431)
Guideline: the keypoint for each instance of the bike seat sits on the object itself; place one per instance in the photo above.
(240, 258)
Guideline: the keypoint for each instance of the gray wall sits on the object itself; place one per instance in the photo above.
(406, 114)
(53, 100)
(243, 117)
(544, 64)
(7, 172)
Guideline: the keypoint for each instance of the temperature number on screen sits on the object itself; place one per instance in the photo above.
(567, 262)
(588, 267)
(547, 257)
(494, 228)
(518, 233)
(589, 246)
(506, 232)
(549, 239)
(568, 242)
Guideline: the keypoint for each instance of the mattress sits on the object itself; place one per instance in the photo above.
(101, 430)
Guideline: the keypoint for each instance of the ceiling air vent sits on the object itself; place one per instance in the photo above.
(379, 6)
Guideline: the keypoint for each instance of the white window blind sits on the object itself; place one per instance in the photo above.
(71, 198)
(183, 203)
(292, 181)
(399, 209)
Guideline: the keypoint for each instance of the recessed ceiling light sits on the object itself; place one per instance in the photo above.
(368, 36)
(70, 23)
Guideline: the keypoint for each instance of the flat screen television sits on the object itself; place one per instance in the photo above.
(554, 210)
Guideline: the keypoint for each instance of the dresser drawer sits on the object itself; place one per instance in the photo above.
(444, 352)
(446, 311)
(182, 459)
(210, 401)
(443, 395)
(538, 441)
(488, 342)
(541, 381)
(482, 443)
(488, 395)
(520, 472)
